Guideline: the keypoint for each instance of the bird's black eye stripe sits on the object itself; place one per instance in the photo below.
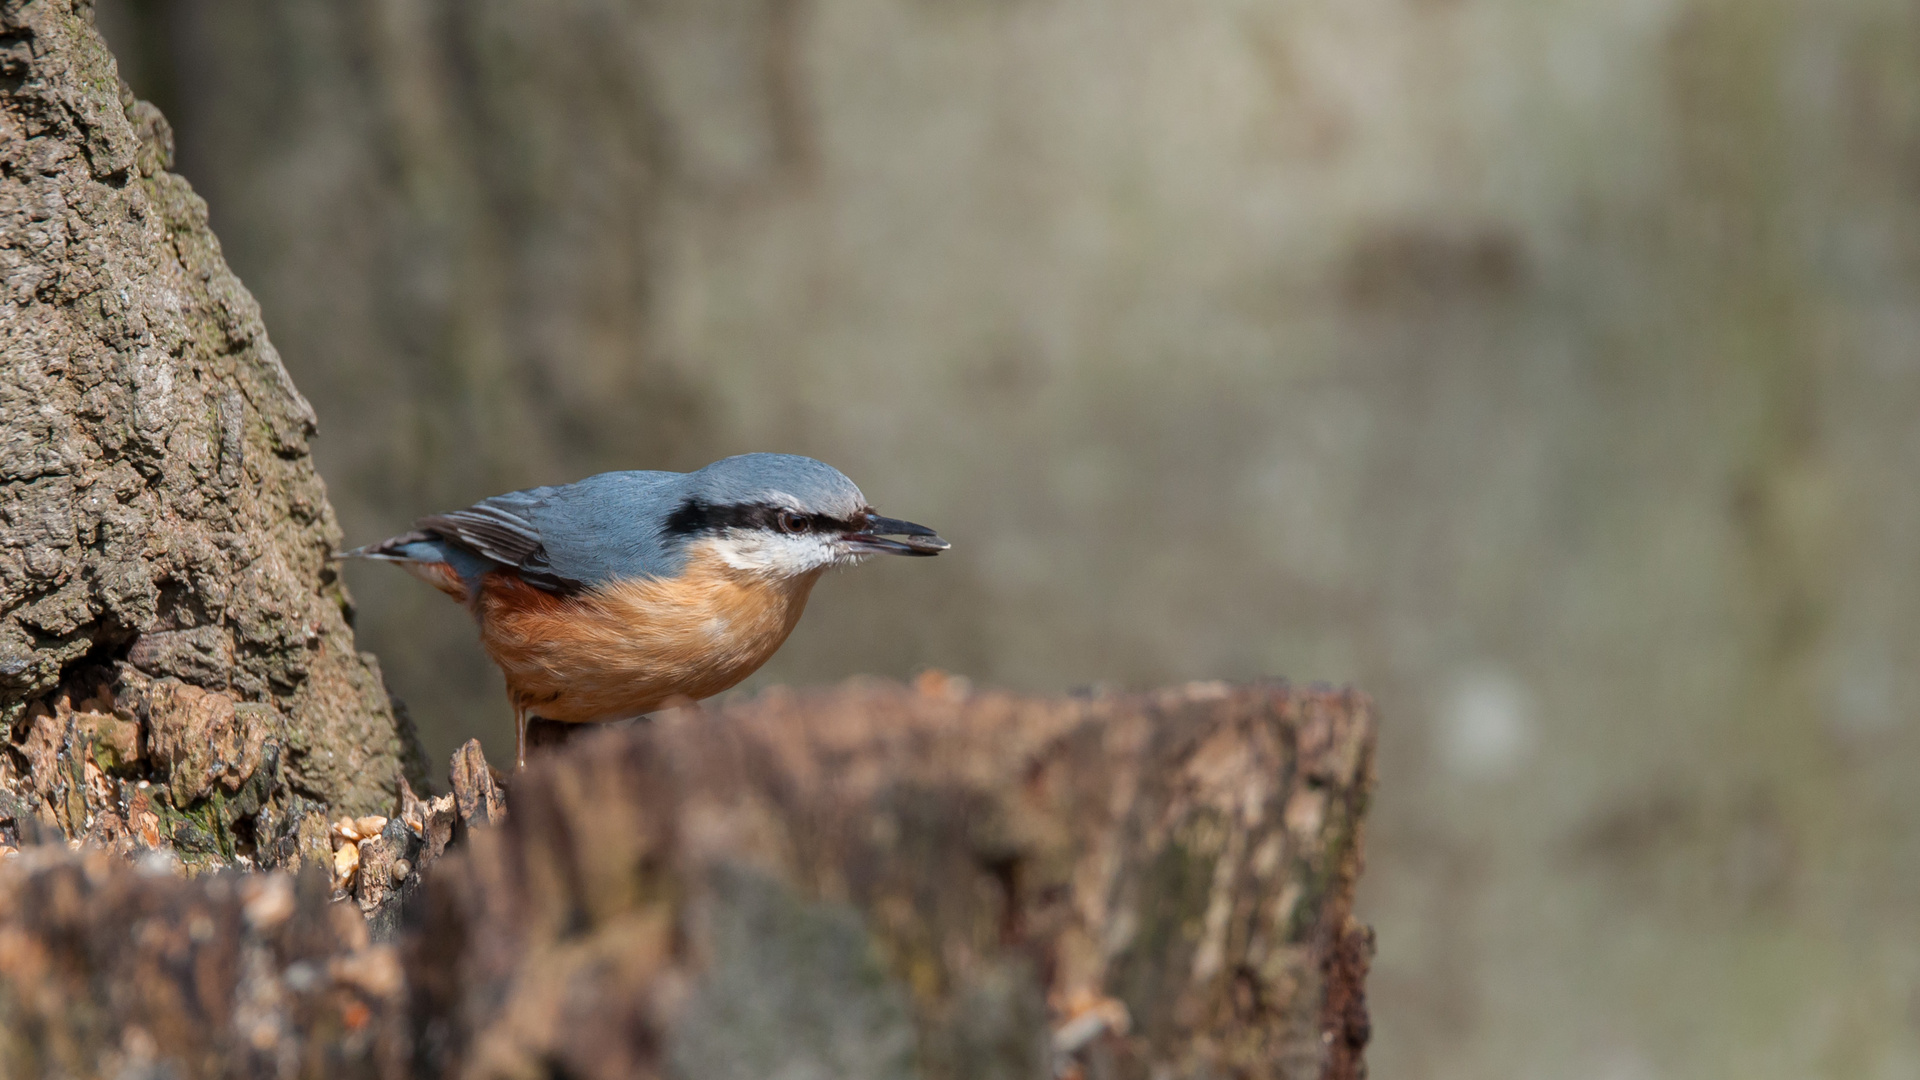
(688, 518)
(693, 517)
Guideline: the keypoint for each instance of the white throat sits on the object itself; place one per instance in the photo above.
(783, 555)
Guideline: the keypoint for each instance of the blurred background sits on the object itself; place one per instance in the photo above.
(1551, 370)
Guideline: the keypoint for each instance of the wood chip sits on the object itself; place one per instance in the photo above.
(346, 863)
(477, 797)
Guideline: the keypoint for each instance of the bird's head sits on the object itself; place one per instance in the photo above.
(787, 516)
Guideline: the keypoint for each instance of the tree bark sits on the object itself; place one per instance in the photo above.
(110, 971)
(873, 882)
(919, 882)
(176, 664)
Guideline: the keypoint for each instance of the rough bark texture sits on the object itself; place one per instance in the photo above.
(873, 882)
(894, 882)
(175, 659)
(113, 971)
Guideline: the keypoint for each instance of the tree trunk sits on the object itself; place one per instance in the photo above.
(876, 882)
(176, 665)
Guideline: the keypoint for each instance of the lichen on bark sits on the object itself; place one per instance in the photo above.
(163, 533)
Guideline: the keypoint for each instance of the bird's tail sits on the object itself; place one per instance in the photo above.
(430, 558)
(413, 546)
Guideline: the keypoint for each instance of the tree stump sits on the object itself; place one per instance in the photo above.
(176, 666)
(885, 881)
(879, 881)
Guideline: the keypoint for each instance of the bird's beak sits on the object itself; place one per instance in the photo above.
(872, 540)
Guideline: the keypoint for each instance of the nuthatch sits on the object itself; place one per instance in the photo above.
(605, 599)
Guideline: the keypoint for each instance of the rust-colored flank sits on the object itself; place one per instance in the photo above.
(623, 648)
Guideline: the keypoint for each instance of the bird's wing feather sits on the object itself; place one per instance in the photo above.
(501, 530)
(493, 531)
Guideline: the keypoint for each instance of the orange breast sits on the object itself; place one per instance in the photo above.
(623, 649)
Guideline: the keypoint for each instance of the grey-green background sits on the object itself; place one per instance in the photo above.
(1549, 369)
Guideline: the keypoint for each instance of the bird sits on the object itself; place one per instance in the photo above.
(608, 598)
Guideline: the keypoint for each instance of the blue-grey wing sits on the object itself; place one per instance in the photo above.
(568, 537)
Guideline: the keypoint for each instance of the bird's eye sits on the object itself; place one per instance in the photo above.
(791, 522)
